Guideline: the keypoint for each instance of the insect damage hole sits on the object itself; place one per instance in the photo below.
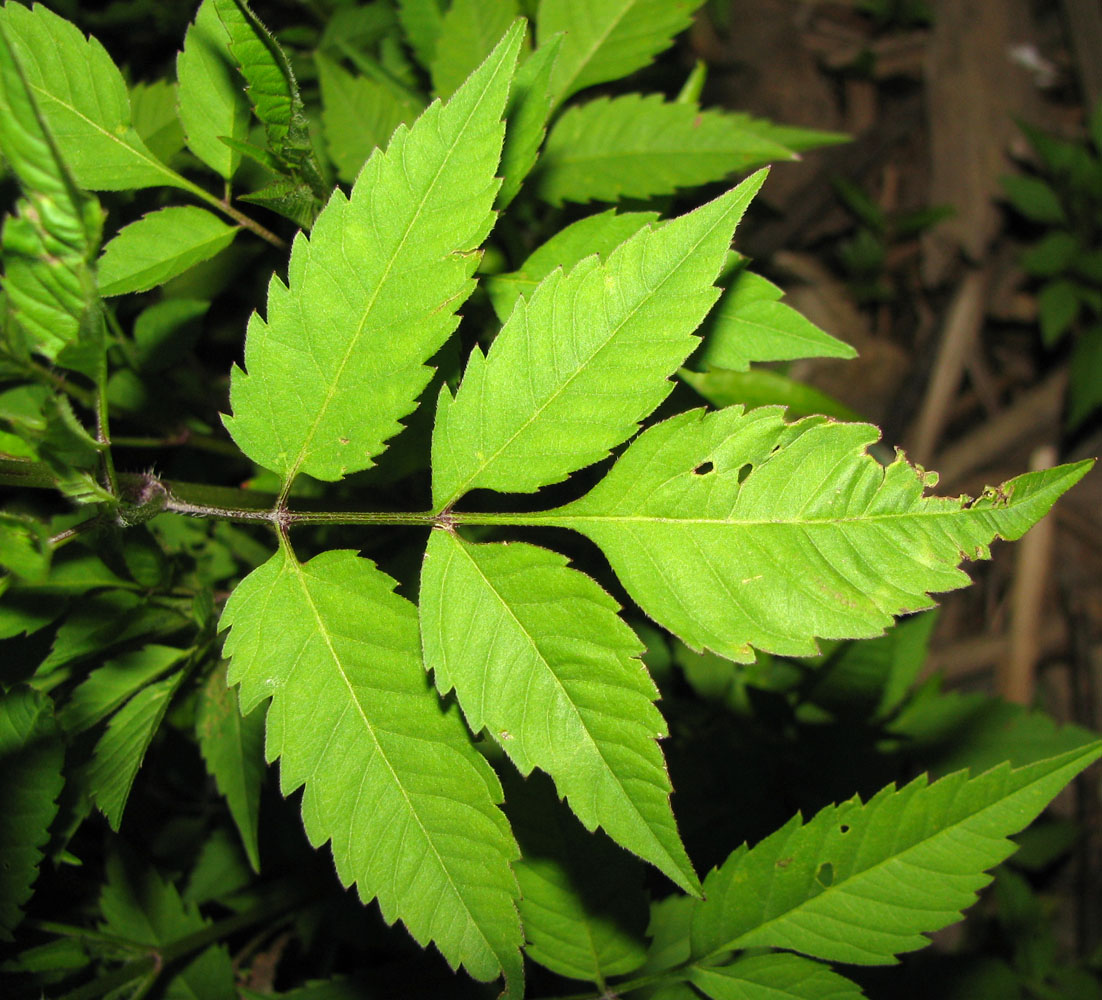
(704, 468)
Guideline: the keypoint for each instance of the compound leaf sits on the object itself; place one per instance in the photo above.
(773, 977)
(372, 293)
(31, 755)
(84, 101)
(121, 749)
(212, 101)
(641, 146)
(159, 246)
(861, 882)
(469, 31)
(607, 39)
(538, 656)
(734, 529)
(586, 357)
(391, 778)
(232, 746)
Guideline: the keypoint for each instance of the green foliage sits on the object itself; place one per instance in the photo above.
(157, 653)
(1064, 196)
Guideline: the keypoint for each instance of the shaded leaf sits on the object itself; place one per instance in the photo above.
(596, 234)
(159, 246)
(373, 290)
(736, 530)
(749, 323)
(763, 387)
(139, 906)
(773, 977)
(607, 39)
(31, 756)
(582, 899)
(358, 114)
(107, 687)
(538, 656)
(861, 882)
(232, 746)
(153, 108)
(393, 781)
(468, 33)
(121, 749)
(584, 359)
(212, 101)
(527, 114)
(641, 146)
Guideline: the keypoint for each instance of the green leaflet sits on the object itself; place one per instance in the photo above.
(527, 114)
(773, 977)
(600, 234)
(49, 243)
(271, 83)
(736, 530)
(468, 32)
(107, 687)
(749, 323)
(584, 359)
(159, 246)
(357, 115)
(582, 902)
(421, 20)
(395, 784)
(121, 749)
(538, 657)
(607, 39)
(31, 755)
(212, 102)
(372, 292)
(232, 746)
(862, 883)
(84, 100)
(139, 906)
(641, 146)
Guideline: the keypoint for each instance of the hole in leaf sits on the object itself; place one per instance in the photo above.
(844, 828)
(744, 472)
(825, 875)
(703, 469)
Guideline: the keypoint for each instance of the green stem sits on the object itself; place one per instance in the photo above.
(224, 206)
(201, 442)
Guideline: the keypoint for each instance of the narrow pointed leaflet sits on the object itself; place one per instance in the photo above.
(584, 358)
(863, 883)
(538, 655)
(736, 530)
(391, 778)
(372, 293)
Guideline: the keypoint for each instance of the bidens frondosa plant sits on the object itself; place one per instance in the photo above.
(735, 531)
